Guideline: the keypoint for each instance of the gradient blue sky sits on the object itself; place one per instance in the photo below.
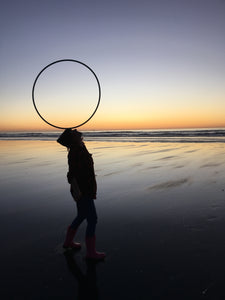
(161, 63)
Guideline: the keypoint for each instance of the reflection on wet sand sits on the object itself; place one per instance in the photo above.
(87, 281)
(169, 184)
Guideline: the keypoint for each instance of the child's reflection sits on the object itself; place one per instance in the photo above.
(87, 285)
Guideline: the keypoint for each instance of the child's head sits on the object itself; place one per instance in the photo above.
(70, 138)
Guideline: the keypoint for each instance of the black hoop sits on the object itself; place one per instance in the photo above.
(99, 92)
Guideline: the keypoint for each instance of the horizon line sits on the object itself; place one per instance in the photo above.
(124, 129)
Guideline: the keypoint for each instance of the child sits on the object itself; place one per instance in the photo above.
(83, 188)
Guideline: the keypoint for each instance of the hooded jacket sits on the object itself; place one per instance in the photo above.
(81, 166)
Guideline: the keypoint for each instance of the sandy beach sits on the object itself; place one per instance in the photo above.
(160, 220)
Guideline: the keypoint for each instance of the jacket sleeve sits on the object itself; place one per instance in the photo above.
(73, 163)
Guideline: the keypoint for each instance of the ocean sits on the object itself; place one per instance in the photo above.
(185, 136)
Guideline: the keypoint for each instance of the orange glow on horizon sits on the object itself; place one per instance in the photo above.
(125, 118)
(110, 124)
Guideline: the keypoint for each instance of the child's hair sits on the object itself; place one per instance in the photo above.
(65, 139)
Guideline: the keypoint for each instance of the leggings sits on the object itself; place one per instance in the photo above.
(86, 210)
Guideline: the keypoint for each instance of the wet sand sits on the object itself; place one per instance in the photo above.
(161, 222)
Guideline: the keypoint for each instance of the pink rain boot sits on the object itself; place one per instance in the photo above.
(91, 252)
(69, 239)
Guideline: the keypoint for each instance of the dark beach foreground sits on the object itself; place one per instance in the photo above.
(161, 222)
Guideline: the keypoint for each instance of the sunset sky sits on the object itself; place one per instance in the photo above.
(161, 63)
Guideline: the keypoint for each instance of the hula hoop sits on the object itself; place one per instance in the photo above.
(55, 62)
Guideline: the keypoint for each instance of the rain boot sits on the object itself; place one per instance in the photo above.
(91, 252)
(68, 243)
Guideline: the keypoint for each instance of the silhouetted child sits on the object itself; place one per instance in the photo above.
(83, 188)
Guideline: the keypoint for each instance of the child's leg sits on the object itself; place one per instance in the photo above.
(91, 218)
(90, 233)
(81, 213)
